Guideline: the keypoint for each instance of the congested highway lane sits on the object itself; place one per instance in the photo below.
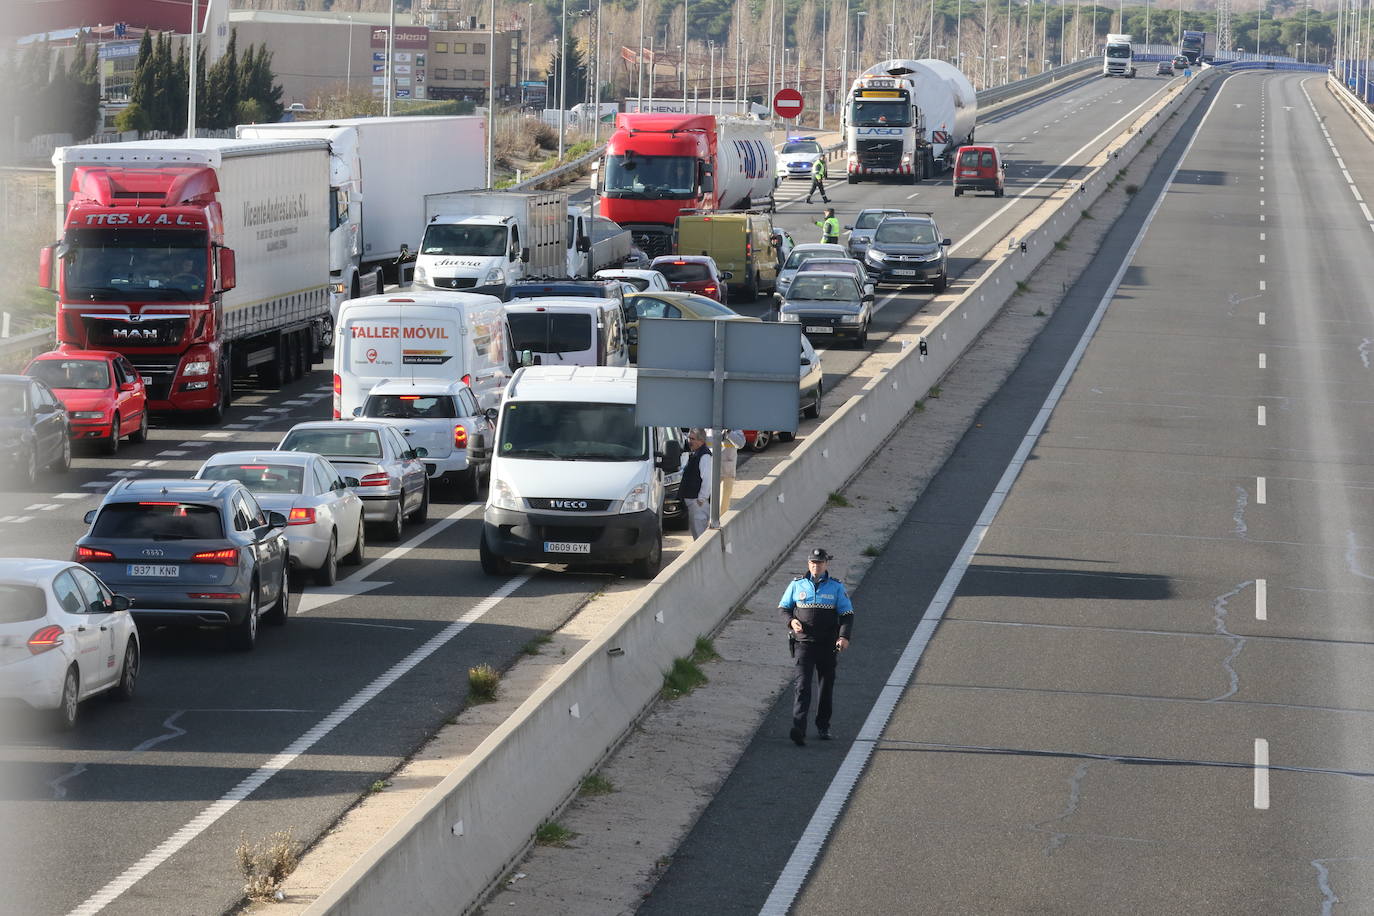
(208, 727)
(1148, 692)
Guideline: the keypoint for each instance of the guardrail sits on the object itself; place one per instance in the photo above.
(1030, 84)
(464, 834)
(16, 351)
(1350, 100)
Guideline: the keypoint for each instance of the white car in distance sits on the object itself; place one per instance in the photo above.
(324, 517)
(644, 281)
(446, 421)
(64, 637)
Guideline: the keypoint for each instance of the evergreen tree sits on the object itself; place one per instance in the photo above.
(256, 83)
(222, 89)
(577, 75)
(143, 92)
(163, 113)
(176, 92)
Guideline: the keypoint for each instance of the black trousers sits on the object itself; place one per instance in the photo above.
(814, 661)
(817, 185)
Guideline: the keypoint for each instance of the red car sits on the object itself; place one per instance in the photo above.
(102, 392)
(694, 273)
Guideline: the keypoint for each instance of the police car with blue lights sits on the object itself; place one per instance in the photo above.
(796, 156)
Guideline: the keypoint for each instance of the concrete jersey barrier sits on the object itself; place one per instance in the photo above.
(463, 836)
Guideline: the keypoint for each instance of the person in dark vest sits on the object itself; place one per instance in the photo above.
(695, 488)
(819, 618)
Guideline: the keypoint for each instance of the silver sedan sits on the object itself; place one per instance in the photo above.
(392, 480)
(324, 517)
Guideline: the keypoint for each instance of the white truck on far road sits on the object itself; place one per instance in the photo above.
(483, 241)
(1117, 60)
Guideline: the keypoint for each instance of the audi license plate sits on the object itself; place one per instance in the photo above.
(154, 570)
(566, 547)
(819, 329)
(904, 273)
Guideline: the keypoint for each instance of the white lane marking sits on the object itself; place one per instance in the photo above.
(1262, 286)
(201, 822)
(317, 598)
(71, 496)
(1364, 208)
(1261, 318)
(298, 402)
(1261, 415)
(17, 519)
(126, 473)
(1261, 191)
(1261, 201)
(238, 425)
(147, 463)
(1261, 217)
(171, 453)
(1261, 491)
(257, 418)
(808, 848)
(1261, 259)
(1346, 175)
(1261, 599)
(277, 409)
(216, 435)
(1263, 361)
(1261, 236)
(913, 196)
(193, 445)
(1261, 774)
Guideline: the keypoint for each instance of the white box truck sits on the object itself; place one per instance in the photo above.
(483, 241)
(200, 260)
(1117, 59)
(380, 171)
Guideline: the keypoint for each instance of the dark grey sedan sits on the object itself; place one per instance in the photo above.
(828, 306)
(34, 430)
(191, 553)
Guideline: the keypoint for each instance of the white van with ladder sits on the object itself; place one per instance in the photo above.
(421, 334)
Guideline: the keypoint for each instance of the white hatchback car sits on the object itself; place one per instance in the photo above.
(644, 281)
(64, 637)
(324, 517)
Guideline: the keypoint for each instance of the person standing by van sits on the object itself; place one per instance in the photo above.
(695, 488)
(818, 175)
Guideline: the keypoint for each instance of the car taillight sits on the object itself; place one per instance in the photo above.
(375, 480)
(709, 289)
(45, 639)
(301, 517)
(229, 556)
(91, 553)
(467, 380)
(748, 249)
(338, 393)
(460, 437)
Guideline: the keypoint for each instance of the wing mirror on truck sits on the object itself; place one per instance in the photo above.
(671, 456)
(45, 268)
(228, 270)
(584, 244)
(529, 358)
(525, 255)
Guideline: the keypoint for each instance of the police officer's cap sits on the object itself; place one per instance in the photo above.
(818, 554)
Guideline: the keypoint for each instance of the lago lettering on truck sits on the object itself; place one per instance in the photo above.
(410, 332)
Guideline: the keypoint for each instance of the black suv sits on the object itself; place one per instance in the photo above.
(908, 249)
(191, 553)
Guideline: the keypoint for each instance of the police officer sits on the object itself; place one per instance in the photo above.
(819, 173)
(830, 227)
(819, 618)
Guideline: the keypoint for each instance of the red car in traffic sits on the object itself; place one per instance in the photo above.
(103, 394)
(694, 273)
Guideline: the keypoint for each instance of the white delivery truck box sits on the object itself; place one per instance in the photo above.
(574, 479)
(421, 334)
(482, 241)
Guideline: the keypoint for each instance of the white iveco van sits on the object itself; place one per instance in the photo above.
(421, 334)
(573, 478)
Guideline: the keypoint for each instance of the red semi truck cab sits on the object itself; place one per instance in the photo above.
(141, 268)
(656, 166)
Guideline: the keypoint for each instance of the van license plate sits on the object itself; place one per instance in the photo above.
(819, 329)
(155, 571)
(566, 547)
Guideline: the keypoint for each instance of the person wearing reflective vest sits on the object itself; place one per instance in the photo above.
(830, 227)
(819, 173)
(819, 619)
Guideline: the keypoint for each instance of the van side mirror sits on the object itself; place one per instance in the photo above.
(527, 358)
(357, 411)
(584, 244)
(671, 457)
(491, 413)
(726, 275)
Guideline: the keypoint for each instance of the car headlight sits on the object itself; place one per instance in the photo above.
(875, 256)
(495, 277)
(503, 496)
(637, 500)
(787, 316)
(421, 275)
(850, 319)
(197, 367)
(88, 414)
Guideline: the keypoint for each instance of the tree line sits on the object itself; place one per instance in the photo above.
(234, 90)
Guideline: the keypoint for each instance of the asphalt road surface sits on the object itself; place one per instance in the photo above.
(1148, 688)
(138, 811)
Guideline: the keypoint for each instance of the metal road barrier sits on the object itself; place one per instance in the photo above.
(1350, 100)
(15, 352)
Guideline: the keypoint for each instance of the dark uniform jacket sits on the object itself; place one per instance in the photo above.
(821, 605)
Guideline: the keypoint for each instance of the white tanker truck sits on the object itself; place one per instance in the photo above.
(903, 120)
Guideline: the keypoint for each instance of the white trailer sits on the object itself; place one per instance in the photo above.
(1117, 58)
(380, 171)
(483, 241)
(905, 118)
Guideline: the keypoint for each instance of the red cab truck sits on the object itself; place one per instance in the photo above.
(658, 165)
(201, 261)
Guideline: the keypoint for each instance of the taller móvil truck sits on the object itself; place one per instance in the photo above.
(199, 260)
(381, 170)
(483, 241)
(1116, 59)
(905, 118)
(658, 165)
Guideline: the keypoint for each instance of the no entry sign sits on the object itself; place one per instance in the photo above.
(787, 103)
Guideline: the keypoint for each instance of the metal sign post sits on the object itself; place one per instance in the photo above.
(718, 374)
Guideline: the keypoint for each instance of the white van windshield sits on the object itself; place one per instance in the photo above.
(572, 431)
(474, 241)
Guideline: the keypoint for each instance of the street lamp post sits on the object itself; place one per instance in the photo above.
(562, 77)
(959, 35)
(684, 51)
(639, 56)
(390, 81)
(825, 41)
(348, 69)
(491, 95)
